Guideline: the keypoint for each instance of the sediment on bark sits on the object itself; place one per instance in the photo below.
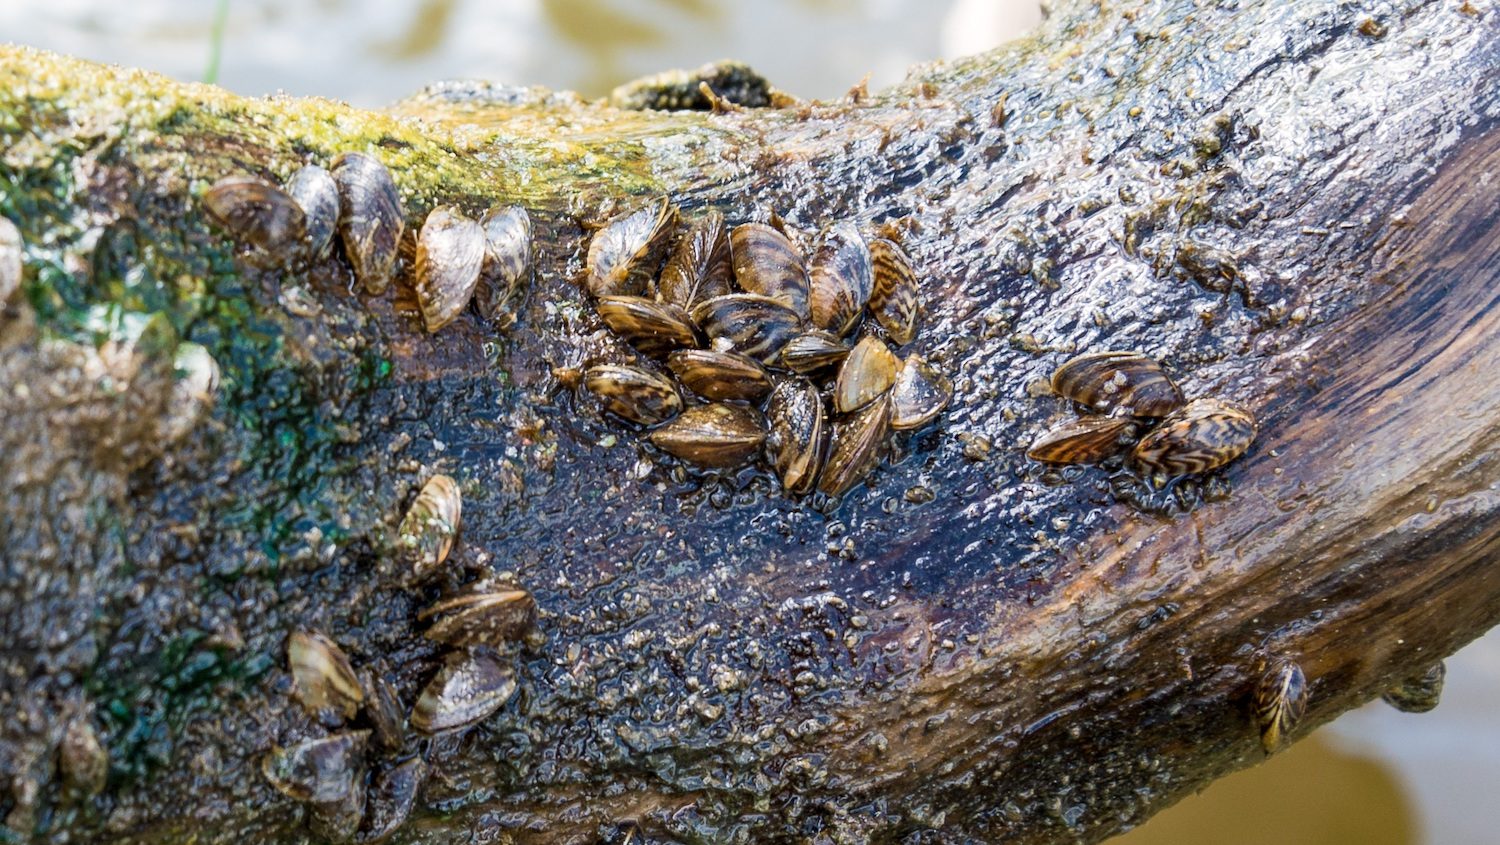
(1284, 202)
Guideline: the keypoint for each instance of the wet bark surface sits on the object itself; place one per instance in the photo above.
(1290, 204)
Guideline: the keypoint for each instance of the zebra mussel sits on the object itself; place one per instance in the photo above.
(1126, 393)
(767, 347)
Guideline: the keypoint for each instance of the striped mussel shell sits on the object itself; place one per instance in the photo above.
(767, 263)
(713, 435)
(320, 771)
(1084, 440)
(258, 213)
(318, 195)
(371, 219)
(393, 795)
(812, 352)
(507, 262)
(1280, 702)
(754, 325)
(919, 394)
(472, 684)
(627, 252)
(1203, 435)
(655, 328)
(193, 393)
(337, 822)
(493, 618)
(431, 524)
(699, 268)
(720, 375)
(324, 680)
(798, 434)
(893, 299)
(865, 376)
(854, 449)
(638, 395)
(1418, 693)
(840, 280)
(450, 254)
(1119, 382)
(383, 709)
(12, 255)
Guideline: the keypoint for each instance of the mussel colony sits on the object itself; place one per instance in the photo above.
(1123, 394)
(745, 346)
(482, 626)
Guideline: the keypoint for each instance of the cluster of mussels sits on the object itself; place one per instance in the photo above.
(1124, 393)
(457, 259)
(482, 626)
(742, 321)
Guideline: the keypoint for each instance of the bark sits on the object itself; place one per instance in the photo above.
(1291, 204)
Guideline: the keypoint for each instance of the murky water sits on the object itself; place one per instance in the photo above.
(1375, 777)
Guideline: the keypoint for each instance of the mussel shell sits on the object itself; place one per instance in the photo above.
(12, 249)
(798, 434)
(866, 375)
(841, 280)
(383, 708)
(854, 449)
(626, 253)
(1085, 440)
(393, 795)
(893, 299)
(919, 394)
(1120, 381)
(757, 326)
(471, 686)
(488, 618)
(713, 435)
(812, 352)
(431, 524)
(1203, 435)
(655, 328)
(720, 375)
(638, 395)
(325, 681)
(450, 254)
(319, 770)
(507, 261)
(258, 213)
(766, 263)
(193, 393)
(371, 218)
(337, 822)
(1280, 701)
(82, 759)
(1418, 693)
(699, 268)
(318, 195)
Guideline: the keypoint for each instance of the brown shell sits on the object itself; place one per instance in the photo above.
(655, 328)
(812, 352)
(713, 435)
(855, 448)
(393, 795)
(1418, 693)
(507, 262)
(258, 213)
(1204, 435)
(866, 375)
(638, 395)
(12, 249)
(627, 252)
(893, 300)
(919, 394)
(766, 263)
(319, 770)
(471, 686)
(757, 326)
(840, 279)
(318, 195)
(798, 434)
(383, 709)
(337, 822)
(450, 253)
(720, 375)
(488, 618)
(1280, 701)
(1084, 440)
(431, 524)
(1128, 382)
(325, 681)
(699, 268)
(371, 218)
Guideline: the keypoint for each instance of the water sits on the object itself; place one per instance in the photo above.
(1374, 777)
